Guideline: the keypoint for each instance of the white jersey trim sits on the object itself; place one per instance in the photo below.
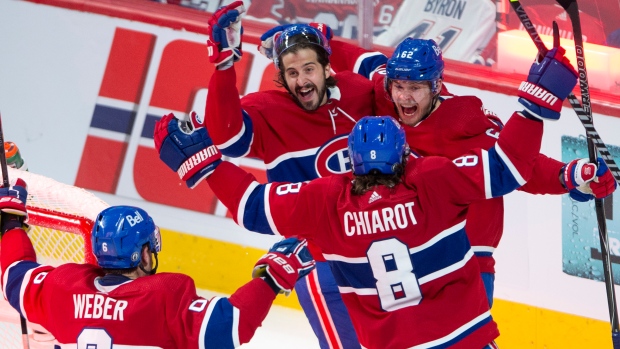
(243, 202)
(455, 333)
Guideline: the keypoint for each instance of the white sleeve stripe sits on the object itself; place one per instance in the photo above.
(235, 327)
(5, 278)
(22, 290)
(234, 138)
(510, 165)
(243, 202)
(488, 193)
(361, 59)
(490, 249)
(205, 322)
(267, 212)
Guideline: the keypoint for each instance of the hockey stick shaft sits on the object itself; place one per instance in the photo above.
(594, 140)
(5, 184)
(584, 113)
(573, 12)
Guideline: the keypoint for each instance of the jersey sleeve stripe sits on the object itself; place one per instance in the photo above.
(488, 193)
(511, 166)
(16, 279)
(367, 63)
(240, 144)
(225, 320)
(243, 203)
(502, 173)
(267, 213)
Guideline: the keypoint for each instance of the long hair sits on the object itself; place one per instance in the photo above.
(364, 183)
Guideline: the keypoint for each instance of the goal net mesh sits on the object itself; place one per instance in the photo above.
(61, 217)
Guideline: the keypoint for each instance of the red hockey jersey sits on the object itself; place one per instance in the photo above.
(459, 124)
(400, 256)
(78, 305)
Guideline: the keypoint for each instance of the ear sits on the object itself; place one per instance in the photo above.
(439, 85)
(328, 70)
(146, 256)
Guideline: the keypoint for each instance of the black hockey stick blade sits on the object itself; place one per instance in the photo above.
(5, 184)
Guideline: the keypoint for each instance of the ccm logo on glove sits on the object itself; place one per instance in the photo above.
(190, 166)
(281, 261)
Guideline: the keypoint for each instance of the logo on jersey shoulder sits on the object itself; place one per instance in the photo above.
(333, 157)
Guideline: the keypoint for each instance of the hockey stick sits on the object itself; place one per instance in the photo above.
(5, 184)
(594, 140)
(570, 6)
(584, 113)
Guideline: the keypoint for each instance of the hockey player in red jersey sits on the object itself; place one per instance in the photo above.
(412, 89)
(300, 134)
(395, 235)
(122, 302)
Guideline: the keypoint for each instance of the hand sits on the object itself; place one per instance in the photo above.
(186, 147)
(548, 84)
(225, 33)
(270, 36)
(13, 205)
(286, 262)
(585, 182)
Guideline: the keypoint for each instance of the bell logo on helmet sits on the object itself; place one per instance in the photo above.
(133, 220)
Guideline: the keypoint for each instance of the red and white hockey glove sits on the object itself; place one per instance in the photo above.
(286, 262)
(586, 181)
(13, 205)
(225, 33)
(186, 147)
(548, 84)
(270, 36)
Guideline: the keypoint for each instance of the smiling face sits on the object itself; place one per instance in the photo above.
(413, 100)
(305, 78)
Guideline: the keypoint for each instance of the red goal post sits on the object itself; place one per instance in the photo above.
(61, 218)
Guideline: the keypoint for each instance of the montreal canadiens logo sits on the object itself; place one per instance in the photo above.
(333, 157)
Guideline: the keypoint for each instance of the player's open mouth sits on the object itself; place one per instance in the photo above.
(408, 111)
(305, 93)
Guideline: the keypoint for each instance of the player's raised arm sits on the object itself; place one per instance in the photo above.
(509, 164)
(231, 128)
(194, 157)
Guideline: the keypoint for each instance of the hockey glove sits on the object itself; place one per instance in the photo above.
(269, 37)
(585, 182)
(286, 262)
(225, 33)
(186, 147)
(548, 84)
(13, 205)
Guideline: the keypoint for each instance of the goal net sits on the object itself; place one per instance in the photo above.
(61, 217)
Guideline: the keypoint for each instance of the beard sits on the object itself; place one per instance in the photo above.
(315, 102)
